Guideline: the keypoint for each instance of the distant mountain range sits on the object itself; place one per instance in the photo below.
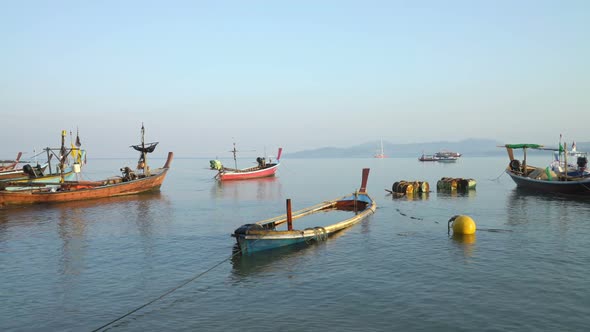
(467, 147)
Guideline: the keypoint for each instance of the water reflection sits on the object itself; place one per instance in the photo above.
(75, 217)
(71, 230)
(456, 193)
(410, 197)
(465, 242)
(266, 261)
(269, 188)
(524, 206)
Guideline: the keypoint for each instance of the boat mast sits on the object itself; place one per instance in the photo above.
(143, 153)
(565, 159)
(62, 156)
(234, 152)
(524, 162)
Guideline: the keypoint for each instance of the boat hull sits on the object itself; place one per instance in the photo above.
(581, 187)
(246, 175)
(83, 190)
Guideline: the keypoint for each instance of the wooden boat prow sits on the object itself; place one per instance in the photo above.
(263, 235)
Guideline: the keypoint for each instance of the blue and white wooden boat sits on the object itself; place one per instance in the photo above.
(264, 234)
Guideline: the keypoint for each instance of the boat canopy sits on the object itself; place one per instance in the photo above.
(524, 146)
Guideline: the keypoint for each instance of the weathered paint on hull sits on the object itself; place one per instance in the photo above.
(11, 175)
(561, 187)
(228, 176)
(20, 176)
(151, 183)
(256, 245)
(70, 176)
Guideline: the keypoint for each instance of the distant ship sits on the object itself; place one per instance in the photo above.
(446, 154)
(442, 156)
(381, 155)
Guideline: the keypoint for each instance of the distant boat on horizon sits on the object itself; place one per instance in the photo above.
(437, 157)
(381, 155)
(447, 154)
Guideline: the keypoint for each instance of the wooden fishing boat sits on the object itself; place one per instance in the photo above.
(261, 170)
(131, 182)
(265, 235)
(27, 172)
(71, 161)
(545, 179)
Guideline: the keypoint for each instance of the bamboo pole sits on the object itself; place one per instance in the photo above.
(289, 217)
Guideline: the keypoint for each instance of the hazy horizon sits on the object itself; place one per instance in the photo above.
(301, 75)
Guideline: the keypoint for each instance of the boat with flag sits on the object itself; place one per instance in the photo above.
(548, 179)
(143, 179)
(264, 168)
(279, 231)
(70, 161)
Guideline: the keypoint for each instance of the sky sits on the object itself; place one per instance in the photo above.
(201, 75)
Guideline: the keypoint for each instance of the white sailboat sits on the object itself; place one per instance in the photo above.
(381, 155)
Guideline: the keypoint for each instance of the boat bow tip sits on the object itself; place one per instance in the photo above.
(364, 180)
(169, 159)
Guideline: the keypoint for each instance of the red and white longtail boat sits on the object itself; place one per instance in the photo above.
(262, 170)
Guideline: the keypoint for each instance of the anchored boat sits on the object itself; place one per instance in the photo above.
(263, 168)
(265, 235)
(131, 182)
(546, 179)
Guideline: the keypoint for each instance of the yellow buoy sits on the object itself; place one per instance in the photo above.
(463, 225)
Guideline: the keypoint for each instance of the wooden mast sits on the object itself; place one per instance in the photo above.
(62, 156)
(143, 153)
(234, 152)
(565, 159)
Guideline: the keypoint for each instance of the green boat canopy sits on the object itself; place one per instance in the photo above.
(524, 146)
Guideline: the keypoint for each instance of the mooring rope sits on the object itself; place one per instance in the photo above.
(411, 217)
(493, 230)
(167, 293)
(499, 176)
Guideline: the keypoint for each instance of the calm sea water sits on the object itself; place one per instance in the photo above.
(80, 265)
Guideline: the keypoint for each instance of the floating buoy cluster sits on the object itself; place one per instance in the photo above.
(460, 184)
(410, 187)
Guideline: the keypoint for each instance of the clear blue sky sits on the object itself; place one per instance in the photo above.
(300, 74)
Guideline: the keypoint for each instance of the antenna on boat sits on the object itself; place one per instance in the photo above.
(143, 153)
(234, 152)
